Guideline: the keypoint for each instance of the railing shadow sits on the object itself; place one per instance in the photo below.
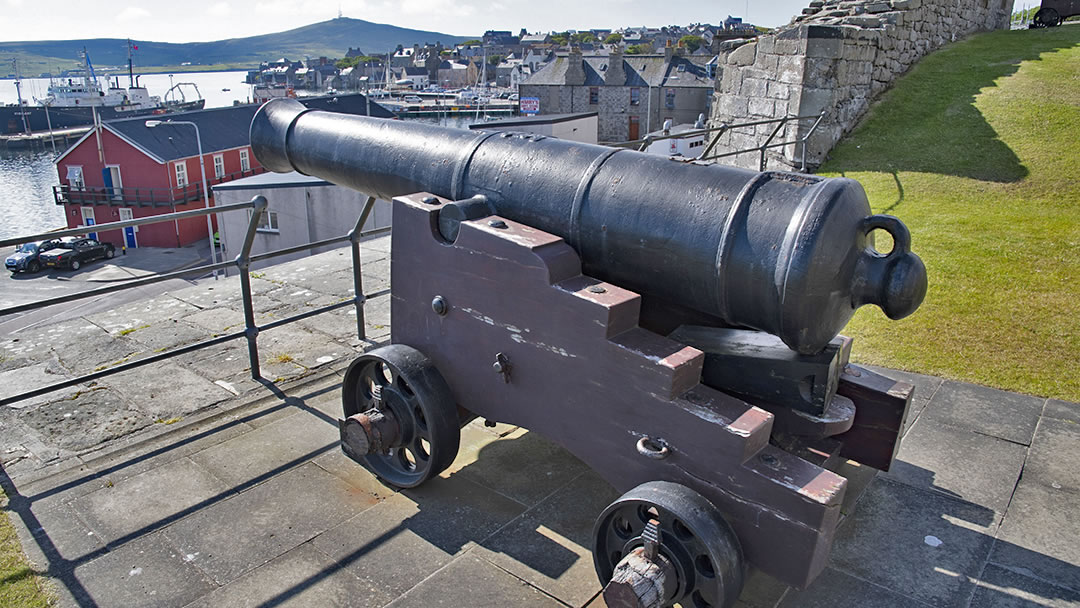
(876, 528)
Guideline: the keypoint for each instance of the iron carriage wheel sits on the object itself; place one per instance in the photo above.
(699, 546)
(1047, 17)
(417, 432)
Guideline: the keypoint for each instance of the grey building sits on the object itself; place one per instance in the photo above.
(631, 94)
(300, 209)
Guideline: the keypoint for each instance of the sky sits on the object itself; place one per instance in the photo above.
(202, 20)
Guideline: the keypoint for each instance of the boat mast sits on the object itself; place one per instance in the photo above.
(131, 73)
(18, 93)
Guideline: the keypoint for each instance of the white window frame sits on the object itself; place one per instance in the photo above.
(267, 223)
(80, 182)
(219, 166)
(180, 169)
(245, 160)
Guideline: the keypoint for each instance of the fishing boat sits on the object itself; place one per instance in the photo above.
(74, 102)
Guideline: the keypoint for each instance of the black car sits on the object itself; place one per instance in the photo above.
(25, 258)
(73, 253)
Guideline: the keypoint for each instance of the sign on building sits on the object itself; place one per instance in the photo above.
(530, 105)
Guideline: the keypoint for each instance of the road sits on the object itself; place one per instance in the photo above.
(24, 288)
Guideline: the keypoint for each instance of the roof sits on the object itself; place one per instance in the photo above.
(270, 180)
(220, 128)
(641, 71)
(521, 121)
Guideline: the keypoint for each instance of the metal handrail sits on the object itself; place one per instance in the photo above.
(642, 144)
(242, 262)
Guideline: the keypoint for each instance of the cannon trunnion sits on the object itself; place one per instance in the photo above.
(616, 304)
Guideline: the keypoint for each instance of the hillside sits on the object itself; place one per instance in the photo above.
(329, 38)
(975, 150)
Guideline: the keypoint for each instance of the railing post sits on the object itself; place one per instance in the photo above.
(358, 287)
(243, 262)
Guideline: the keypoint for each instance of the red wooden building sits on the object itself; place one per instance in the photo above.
(126, 169)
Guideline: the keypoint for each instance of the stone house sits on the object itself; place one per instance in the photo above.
(632, 94)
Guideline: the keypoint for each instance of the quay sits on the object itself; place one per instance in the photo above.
(42, 140)
(189, 484)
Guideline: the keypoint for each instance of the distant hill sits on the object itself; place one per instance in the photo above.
(329, 38)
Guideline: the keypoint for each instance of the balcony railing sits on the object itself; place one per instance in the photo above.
(143, 197)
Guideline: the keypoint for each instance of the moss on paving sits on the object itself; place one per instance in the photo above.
(977, 149)
(20, 585)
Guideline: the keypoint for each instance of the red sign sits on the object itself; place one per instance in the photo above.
(530, 105)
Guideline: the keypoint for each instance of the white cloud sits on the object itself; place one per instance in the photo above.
(221, 9)
(15, 3)
(132, 13)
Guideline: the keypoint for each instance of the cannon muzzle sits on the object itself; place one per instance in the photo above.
(785, 253)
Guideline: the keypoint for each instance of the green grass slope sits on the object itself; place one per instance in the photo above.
(977, 150)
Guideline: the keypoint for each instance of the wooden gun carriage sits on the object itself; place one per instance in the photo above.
(673, 325)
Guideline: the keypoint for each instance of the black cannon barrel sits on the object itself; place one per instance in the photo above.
(784, 253)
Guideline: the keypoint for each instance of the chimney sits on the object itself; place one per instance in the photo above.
(575, 71)
(668, 51)
(615, 75)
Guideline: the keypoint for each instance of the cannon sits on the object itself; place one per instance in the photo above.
(674, 325)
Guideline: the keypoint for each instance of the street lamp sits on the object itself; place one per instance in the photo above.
(202, 169)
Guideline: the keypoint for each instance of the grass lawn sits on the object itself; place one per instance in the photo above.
(977, 149)
(20, 587)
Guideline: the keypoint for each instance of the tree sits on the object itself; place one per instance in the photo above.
(615, 38)
(582, 38)
(494, 59)
(691, 42)
(639, 49)
(473, 42)
(561, 38)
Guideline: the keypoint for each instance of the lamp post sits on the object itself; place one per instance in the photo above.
(202, 169)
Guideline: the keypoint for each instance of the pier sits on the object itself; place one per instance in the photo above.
(42, 140)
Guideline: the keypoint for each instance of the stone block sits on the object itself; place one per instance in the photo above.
(149, 501)
(85, 420)
(778, 90)
(1000, 587)
(862, 21)
(743, 56)
(1062, 410)
(523, 466)
(268, 450)
(300, 578)
(166, 392)
(549, 546)
(762, 107)
(147, 572)
(265, 521)
(906, 5)
(824, 47)
(979, 469)
(732, 105)
(993, 412)
(791, 69)
(752, 87)
(488, 586)
(405, 538)
(892, 18)
(834, 588)
(788, 47)
(766, 44)
(921, 544)
(730, 82)
(1038, 535)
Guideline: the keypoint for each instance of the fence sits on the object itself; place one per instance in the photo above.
(642, 144)
(242, 261)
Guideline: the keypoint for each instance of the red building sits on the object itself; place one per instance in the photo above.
(125, 169)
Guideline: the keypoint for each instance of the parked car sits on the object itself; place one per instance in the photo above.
(413, 99)
(514, 97)
(25, 258)
(74, 252)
